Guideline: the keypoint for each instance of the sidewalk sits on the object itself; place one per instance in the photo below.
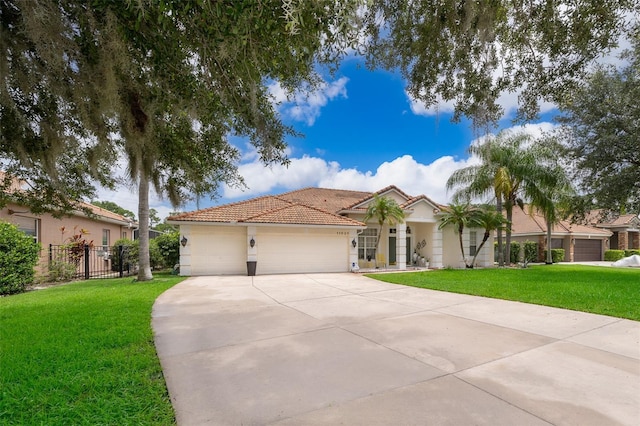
(346, 349)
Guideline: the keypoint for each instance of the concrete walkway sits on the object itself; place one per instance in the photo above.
(345, 349)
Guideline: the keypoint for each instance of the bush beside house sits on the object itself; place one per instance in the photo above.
(613, 255)
(169, 248)
(557, 255)
(18, 257)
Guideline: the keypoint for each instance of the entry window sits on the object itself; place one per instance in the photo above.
(473, 243)
(367, 244)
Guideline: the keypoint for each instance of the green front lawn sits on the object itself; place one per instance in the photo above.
(83, 353)
(596, 289)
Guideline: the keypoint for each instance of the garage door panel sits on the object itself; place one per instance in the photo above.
(586, 250)
(221, 252)
(286, 253)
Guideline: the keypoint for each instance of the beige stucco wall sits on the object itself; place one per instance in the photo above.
(50, 228)
(225, 249)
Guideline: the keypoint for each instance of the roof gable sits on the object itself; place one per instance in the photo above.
(389, 191)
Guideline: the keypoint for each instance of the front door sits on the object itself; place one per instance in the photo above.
(393, 257)
(392, 251)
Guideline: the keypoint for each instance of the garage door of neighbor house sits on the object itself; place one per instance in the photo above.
(587, 250)
(302, 253)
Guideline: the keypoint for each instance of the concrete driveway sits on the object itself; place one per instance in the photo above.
(345, 349)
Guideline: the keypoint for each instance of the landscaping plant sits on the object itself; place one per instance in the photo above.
(18, 257)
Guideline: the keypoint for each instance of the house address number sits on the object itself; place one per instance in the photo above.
(342, 233)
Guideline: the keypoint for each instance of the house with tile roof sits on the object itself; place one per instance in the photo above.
(319, 230)
(103, 227)
(580, 242)
(625, 228)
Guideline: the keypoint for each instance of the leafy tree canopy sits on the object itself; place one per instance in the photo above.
(471, 52)
(162, 83)
(602, 119)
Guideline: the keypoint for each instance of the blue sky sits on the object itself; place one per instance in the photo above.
(362, 132)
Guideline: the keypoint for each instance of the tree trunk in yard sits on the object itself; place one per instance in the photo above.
(144, 269)
(507, 243)
(500, 241)
(549, 254)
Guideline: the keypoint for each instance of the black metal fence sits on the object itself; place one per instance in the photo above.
(78, 261)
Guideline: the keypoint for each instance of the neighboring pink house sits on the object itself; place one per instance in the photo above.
(103, 230)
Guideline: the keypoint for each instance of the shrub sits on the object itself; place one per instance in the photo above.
(155, 257)
(18, 257)
(515, 252)
(631, 252)
(130, 254)
(557, 255)
(613, 255)
(169, 247)
(530, 252)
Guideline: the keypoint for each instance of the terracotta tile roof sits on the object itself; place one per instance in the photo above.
(595, 218)
(100, 212)
(17, 185)
(331, 200)
(523, 223)
(298, 214)
(268, 209)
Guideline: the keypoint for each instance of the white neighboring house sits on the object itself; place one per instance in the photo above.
(320, 230)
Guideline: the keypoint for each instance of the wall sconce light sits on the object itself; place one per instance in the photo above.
(183, 241)
(354, 243)
(252, 243)
(408, 229)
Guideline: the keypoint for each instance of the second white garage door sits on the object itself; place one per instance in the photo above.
(302, 251)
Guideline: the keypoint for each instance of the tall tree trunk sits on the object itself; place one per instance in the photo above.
(144, 269)
(549, 254)
(500, 241)
(507, 243)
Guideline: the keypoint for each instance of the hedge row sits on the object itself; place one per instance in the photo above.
(613, 255)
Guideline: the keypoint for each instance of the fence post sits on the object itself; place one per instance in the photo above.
(120, 260)
(86, 261)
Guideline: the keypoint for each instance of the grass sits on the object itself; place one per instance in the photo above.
(83, 353)
(600, 290)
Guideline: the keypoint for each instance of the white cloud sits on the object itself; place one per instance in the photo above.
(507, 100)
(405, 172)
(305, 105)
(536, 130)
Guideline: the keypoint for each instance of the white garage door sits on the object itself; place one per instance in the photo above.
(218, 250)
(302, 253)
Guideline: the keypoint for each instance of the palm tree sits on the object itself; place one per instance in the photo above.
(460, 216)
(384, 210)
(512, 169)
(489, 219)
(554, 191)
